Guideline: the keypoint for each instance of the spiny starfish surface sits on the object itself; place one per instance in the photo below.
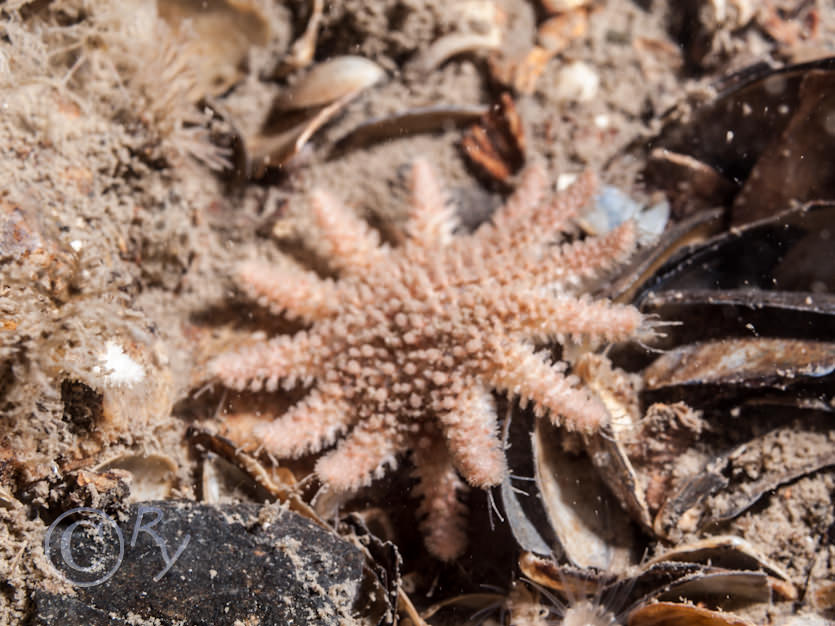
(404, 350)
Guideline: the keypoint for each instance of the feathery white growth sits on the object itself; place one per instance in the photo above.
(586, 613)
(119, 369)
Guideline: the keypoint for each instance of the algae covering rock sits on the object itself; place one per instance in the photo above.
(178, 562)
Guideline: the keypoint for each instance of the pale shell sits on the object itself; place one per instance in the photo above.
(329, 81)
(152, 476)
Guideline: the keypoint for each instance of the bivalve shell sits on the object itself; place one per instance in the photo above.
(330, 81)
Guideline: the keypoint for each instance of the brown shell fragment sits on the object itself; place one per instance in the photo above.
(496, 145)
(686, 235)
(406, 123)
(693, 184)
(727, 551)
(757, 362)
(570, 581)
(556, 33)
(716, 586)
(794, 169)
(276, 149)
(278, 482)
(655, 582)
(485, 22)
(767, 132)
(677, 614)
(823, 595)
(452, 45)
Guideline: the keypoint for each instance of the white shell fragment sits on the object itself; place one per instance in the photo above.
(612, 207)
(558, 6)
(330, 81)
(577, 81)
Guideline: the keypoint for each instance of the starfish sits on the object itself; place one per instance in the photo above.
(404, 350)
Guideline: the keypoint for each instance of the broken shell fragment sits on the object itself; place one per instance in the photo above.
(661, 582)
(759, 362)
(278, 482)
(222, 481)
(726, 551)
(580, 509)
(767, 132)
(558, 6)
(452, 45)
(486, 23)
(521, 72)
(619, 393)
(305, 107)
(276, 149)
(692, 184)
(556, 33)
(677, 614)
(406, 123)
(329, 81)
(301, 52)
(152, 477)
(733, 482)
(568, 580)
(496, 145)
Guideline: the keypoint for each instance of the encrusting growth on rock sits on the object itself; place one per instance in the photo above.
(404, 350)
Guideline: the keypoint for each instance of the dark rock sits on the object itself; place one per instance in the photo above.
(257, 564)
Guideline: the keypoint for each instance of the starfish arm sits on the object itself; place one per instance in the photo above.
(293, 291)
(517, 370)
(308, 426)
(284, 358)
(590, 258)
(528, 194)
(362, 456)
(540, 317)
(472, 438)
(515, 232)
(432, 218)
(345, 240)
(444, 516)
